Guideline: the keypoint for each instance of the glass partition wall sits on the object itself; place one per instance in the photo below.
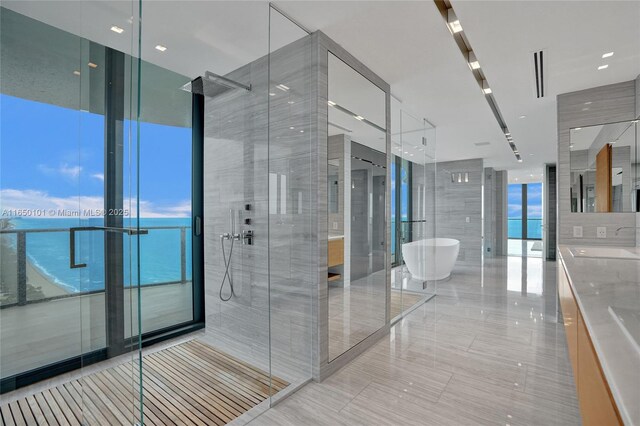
(412, 212)
(155, 190)
(356, 187)
(69, 199)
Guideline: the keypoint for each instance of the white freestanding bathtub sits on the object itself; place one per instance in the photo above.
(431, 258)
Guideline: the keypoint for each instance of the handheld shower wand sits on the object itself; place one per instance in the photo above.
(227, 261)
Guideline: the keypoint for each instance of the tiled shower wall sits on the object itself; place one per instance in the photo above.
(455, 202)
(495, 212)
(258, 152)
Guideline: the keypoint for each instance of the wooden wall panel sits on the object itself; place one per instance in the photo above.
(603, 180)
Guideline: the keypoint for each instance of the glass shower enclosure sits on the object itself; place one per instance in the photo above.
(413, 203)
(156, 227)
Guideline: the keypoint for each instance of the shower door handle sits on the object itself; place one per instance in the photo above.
(72, 250)
(72, 239)
(197, 225)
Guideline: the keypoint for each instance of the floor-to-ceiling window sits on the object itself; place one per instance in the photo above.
(525, 219)
(401, 202)
(82, 168)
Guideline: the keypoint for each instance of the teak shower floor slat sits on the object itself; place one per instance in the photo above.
(187, 384)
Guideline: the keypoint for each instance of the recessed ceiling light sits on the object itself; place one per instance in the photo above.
(282, 87)
(473, 61)
(272, 94)
(92, 65)
(117, 29)
(406, 152)
(291, 102)
(453, 22)
(607, 55)
(603, 67)
(76, 72)
(301, 131)
(523, 116)
(358, 117)
(161, 47)
(588, 103)
(292, 128)
(331, 103)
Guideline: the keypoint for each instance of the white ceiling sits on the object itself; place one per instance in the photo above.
(532, 175)
(574, 34)
(407, 44)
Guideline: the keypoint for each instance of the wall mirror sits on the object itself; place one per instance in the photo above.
(356, 188)
(604, 168)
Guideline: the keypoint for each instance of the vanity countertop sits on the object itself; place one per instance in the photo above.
(336, 237)
(608, 291)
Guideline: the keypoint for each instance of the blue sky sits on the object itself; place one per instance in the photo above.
(53, 157)
(534, 201)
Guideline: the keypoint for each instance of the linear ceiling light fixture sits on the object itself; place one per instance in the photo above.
(453, 22)
(455, 28)
(485, 87)
(473, 61)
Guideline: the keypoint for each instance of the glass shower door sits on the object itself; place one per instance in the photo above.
(414, 205)
(67, 168)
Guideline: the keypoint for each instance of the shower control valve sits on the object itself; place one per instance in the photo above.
(225, 236)
(247, 237)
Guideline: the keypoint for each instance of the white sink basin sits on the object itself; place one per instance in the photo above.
(604, 253)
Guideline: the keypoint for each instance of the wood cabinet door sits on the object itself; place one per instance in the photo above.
(570, 318)
(596, 402)
(335, 253)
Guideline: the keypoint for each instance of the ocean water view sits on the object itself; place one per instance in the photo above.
(48, 252)
(534, 228)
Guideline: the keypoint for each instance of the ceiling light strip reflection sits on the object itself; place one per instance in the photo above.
(357, 117)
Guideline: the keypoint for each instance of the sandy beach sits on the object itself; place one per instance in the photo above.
(38, 285)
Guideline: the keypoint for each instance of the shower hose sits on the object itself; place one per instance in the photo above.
(227, 275)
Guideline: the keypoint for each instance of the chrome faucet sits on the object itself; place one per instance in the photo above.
(626, 227)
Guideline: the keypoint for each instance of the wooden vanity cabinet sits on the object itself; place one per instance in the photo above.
(335, 257)
(597, 406)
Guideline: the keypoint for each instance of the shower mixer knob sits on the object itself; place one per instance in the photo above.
(247, 237)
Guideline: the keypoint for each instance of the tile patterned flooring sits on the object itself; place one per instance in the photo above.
(487, 350)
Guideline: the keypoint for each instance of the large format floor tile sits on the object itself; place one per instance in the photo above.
(486, 350)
